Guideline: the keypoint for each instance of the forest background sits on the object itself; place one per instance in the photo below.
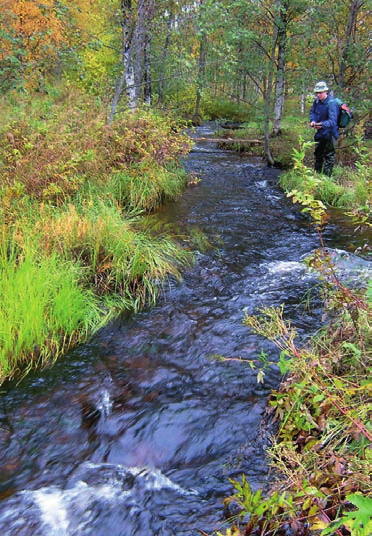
(95, 99)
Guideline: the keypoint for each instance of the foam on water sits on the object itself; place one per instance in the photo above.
(63, 512)
(53, 511)
(284, 267)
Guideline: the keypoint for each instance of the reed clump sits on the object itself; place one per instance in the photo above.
(43, 311)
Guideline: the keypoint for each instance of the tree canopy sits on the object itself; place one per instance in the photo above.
(182, 53)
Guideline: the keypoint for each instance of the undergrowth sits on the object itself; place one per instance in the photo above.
(321, 453)
(322, 450)
(347, 188)
(74, 248)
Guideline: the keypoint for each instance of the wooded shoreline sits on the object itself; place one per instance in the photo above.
(95, 99)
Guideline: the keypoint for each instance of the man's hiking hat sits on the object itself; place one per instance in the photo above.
(320, 87)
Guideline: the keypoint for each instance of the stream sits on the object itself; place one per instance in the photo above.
(138, 431)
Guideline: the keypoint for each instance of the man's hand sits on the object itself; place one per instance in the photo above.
(316, 125)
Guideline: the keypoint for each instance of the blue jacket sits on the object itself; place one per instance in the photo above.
(325, 112)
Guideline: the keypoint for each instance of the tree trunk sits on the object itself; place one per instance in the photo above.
(135, 53)
(355, 6)
(147, 93)
(202, 54)
(127, 26)
(164, 57)
(115, 101)
(267, 100)
(303, 101)
(279, 93)
(280, 75)
(140, 48)
(147, 82)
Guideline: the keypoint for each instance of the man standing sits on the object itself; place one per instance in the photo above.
(323, 117)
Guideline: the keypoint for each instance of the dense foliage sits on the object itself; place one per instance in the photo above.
(189, 55)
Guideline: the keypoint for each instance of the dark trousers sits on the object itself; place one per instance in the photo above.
(325, 154)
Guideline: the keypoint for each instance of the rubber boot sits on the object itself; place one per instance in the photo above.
(329, 157)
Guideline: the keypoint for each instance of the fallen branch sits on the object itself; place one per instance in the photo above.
(258, 142)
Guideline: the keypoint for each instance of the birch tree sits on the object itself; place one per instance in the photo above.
(135, 59)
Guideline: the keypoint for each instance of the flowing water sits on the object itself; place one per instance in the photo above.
(138, 431)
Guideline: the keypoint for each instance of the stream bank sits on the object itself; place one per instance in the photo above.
(139, 430)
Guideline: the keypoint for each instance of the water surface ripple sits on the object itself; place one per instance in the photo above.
(138, 431)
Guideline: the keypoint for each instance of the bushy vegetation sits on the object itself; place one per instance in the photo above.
(225, 109)
(51, 153)
(321, 451)
(349, 187)
(321, 415)
(74, 250)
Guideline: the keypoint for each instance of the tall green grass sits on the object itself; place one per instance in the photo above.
(116, 251)
(341, 190)
(43, 310)
(49, 302)
(145, 187)
(64, 271)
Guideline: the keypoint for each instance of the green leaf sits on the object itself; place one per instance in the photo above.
(284, 364)
(359, 522)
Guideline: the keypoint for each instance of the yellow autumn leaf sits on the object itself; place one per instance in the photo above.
(319, 523)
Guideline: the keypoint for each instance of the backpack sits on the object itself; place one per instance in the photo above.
(345, 115)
